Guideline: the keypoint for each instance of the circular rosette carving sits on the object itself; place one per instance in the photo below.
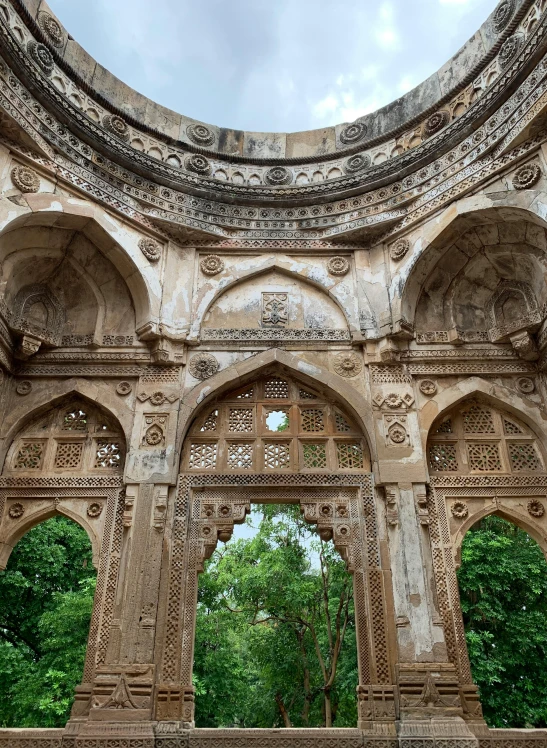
(198, 164)
(460, 510)
(154, 436)
(428, 387)
(397, 434)
(124, 388)
(16, 511)
(510, 48)
(526, 385)
(157, 398)
(356, 163)
(116, 126)
(203, 366)
(25, 179)
(526, 176)
(24, 388)
(277, 176)
(502, 15)
(51, 28)
(399, 249)
(536, 509)
(436, 122)
(200, 135)
(393, 400)
(150, 249)
(353, 133)
(94, 510)
(211, 265)
(41, 56)
(348, 365)
(338, 266)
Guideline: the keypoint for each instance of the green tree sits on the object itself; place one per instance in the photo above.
(46, 599)
(275, 630)
(503, 589)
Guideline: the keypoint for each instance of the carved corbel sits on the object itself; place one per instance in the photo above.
(392, 509)
(160, 508)
(130, 496)
(524, 345)
(422, 509)
(28, 346)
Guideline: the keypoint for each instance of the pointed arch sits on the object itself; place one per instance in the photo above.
(277, 359)
(300, 271)
(35, 518)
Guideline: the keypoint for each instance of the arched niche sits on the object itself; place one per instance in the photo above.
(58, 286)
(274, 299)
(274, 423)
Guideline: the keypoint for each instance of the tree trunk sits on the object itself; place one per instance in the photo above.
(284, 713)
(328, 709)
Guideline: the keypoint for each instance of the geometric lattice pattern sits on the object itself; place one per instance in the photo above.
(478, 420)
(315, 456)
(350, 455)
(445, 427)
(511, 428)
(69, 455)
(240, 456)
(240, 419)
(255, 433)
(203, 456)
(342, 426)
(276, 389)
(108, 454)
(443, 457)
(210, 423)
(276, 455)
(75, 420)
(29, 456)
(313, 420)
(524, 457)
(484, 457)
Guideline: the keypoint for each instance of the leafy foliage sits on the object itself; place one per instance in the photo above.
(275, 640)
(46, 599)
(503, 589)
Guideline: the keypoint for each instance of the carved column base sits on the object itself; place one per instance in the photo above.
(122, 693)
(175, 703)
(377, 704)
(436, 732)
(113, 734)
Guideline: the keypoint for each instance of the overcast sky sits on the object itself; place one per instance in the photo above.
(272, 65)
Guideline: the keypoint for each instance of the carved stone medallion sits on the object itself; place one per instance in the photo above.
(203, 366)
(25, 179)
(338, 266)
(200, 135)
(353, 133)
(42, 56)
(502, 15)
(526, 385)
(397, 434)
(199, 165)
(150, 249)
(116, 126)
(348, 365)
(124, 388)
(509, 49)
(436, 122)
(393, 400)
(428, 387)
(51, 28)
(536, 509)
(275, 309)
(526, 176)
(399, 249)
(356, 163)
(16, 511)
(459, 510)
(211, 265)
(94, 510)
(278, 175)
(24, 388)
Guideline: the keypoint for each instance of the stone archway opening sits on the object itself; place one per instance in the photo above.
(46, 601)
(275, 627)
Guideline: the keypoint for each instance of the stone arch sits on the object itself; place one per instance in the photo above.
(241, 373)
(117, 246)
(499, 397)
(466, 215)
(39, 401)
(297, 271)
(512, 515)
(27, 523)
